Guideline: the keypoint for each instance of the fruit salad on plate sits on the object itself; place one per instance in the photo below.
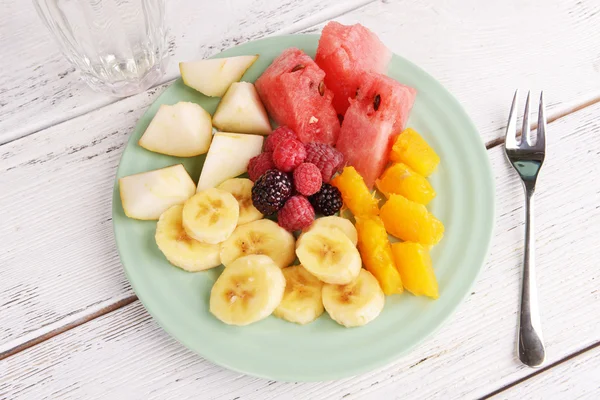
(325, 212)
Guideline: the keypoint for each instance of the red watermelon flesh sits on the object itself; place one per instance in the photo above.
(372, 122)
(294, 94)
(345, 53)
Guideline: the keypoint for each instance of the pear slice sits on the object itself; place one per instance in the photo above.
(148, 194)
(180, 130)
(214, 76)
(228, 157)
(241, 110)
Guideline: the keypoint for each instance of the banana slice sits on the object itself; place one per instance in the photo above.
(302, 301)
(241, 189)
(354, 304)
(259, 237)
(335, 222)
(211, 215)
(181, 250)
(247, 291)
(328, 254)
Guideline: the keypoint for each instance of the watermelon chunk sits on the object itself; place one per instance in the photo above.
(372, 122)
(345, 53)
(294, 94)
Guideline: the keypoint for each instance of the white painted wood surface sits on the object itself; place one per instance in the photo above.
(579, 378)
(127, 355)
(59, 263)
(39, 88)
(480, 53)
(483, 52)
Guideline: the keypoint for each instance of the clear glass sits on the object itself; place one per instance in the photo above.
(119, 46)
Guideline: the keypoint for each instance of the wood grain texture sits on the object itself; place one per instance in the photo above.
(39, 88)
(482, 53)
(60, 256)
(126, 355)
(579, 378)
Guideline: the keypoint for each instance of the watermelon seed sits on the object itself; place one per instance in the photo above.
(340, 118)
(298, 67)
(376, 102)
(322, 88)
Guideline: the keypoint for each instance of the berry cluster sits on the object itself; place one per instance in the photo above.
(291, 179)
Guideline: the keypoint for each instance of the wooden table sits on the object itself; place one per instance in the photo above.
(70, 324)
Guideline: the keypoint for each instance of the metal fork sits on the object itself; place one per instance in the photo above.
(526, 154)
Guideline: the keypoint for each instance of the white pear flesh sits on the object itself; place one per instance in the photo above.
(214, 76)
(241, 110)
(228, 157)
(148, 194)
(180, 130)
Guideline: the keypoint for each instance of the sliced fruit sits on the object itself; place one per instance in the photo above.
(410, 221)
(241, 110)
(228, 157)
(373, 120)
(355, 193)
(259, 237)
(241, 189)
(346, 53)
(354, 304)
(181, 250)
(414, 264)
(148, 194)
(213, 77)
(180, 130)
(328, 254)
(302, 300)
(399, 178)
(376, 253)
(335, 222)
(211, 216)
(411, 149)
(294, 94)
(247, 291)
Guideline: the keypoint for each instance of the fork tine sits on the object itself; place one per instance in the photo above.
(541, 129)
(510, 141)
(525, 139)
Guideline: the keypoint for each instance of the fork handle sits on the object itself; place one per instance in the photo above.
(531, 345)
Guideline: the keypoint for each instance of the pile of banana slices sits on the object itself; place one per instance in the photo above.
(221, 226)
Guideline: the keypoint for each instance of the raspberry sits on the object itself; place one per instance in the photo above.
(289, 154)
(259, 165)
(296, 214)
(307, 179)
(328, 200)
(278, 136)
(325, 157)
(271, 191)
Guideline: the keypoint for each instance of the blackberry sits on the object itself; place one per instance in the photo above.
(271, 191)
(327, 201)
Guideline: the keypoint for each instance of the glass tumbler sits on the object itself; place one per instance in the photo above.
(119, 46)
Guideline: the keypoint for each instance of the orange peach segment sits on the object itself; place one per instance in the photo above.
(376, 253)
(411, 149)
(414, 264)
(410, 221)
(399, 178)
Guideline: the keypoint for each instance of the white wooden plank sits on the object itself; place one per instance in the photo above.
(483, 53)
(126, 355)
(59, 255)
(577, 378)
(480, 53)
(38, 87)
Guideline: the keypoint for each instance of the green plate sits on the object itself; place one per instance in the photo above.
(322, 350)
